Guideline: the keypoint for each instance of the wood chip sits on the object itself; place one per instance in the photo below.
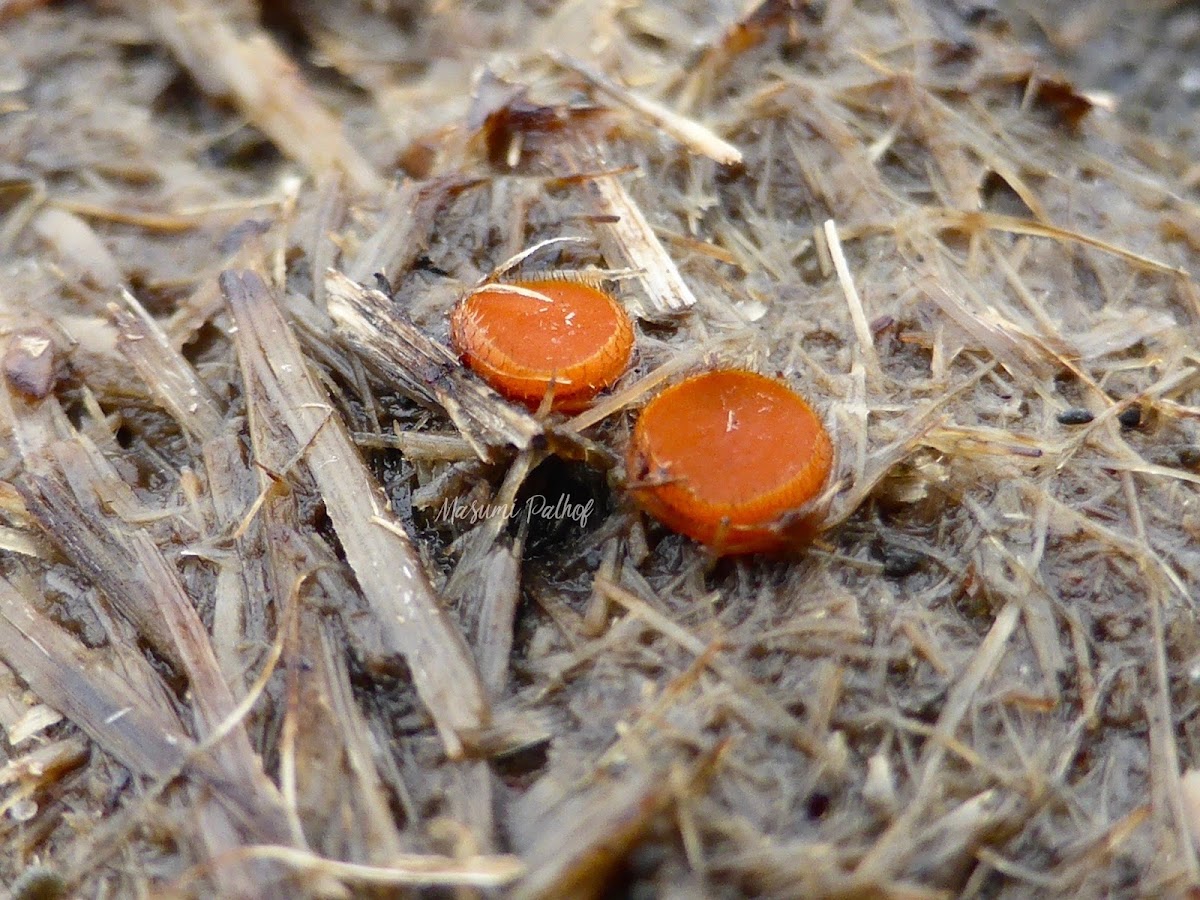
(626, 235)
(426, 371)
(377, 547)
(264, 83)
(696, 137)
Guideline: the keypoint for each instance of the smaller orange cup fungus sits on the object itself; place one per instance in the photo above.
(523, 336)
(731, 459)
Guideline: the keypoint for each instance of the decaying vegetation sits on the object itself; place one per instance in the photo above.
(266, 626)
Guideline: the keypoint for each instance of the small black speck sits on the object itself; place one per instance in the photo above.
(981, 14)
(424, 264)
(1131, 417)
(898, 563)
(1074, 416)
(818, 805)
(382, 284)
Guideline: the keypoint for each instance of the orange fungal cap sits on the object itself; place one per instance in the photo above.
(732, 459)
(521, 336)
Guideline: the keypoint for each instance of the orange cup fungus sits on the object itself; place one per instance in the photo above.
(523, 336)
(732, 459)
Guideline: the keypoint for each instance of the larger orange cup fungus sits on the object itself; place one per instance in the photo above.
(524, 336)
(732, 459)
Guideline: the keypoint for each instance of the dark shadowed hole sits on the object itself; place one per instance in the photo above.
(560, 502)
(522, 767)
(999, 197)
(818, 805)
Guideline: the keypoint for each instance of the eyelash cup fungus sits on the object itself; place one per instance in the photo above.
(731, 459)
(522, 337)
